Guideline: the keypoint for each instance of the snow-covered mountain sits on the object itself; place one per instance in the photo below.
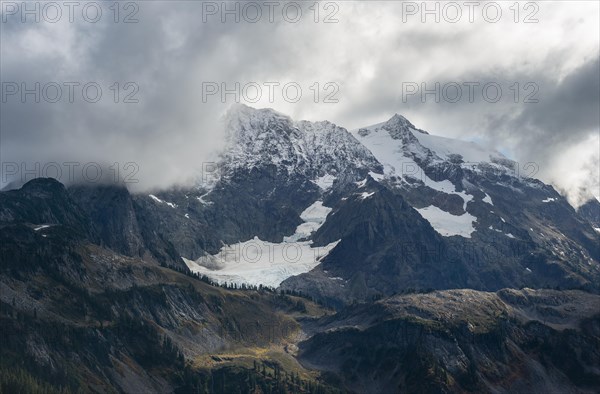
(342, 216)
(397, 138)
(437, 212)
(319, 151)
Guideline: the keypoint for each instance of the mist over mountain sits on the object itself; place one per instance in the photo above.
(170, 129)
(300, 197)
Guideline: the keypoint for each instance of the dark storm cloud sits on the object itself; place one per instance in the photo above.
(568, 115)
(567, 110)
(369, 53)
(168, 54)
(167, 133)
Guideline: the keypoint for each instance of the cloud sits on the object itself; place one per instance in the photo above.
(367, 54)
(561, 133)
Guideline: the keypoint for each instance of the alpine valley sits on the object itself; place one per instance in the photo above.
(307, 259)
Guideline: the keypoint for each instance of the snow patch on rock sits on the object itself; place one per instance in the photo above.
(325, 182)
(447, 224)
(488, 199)
(365, 195)
(158, 200)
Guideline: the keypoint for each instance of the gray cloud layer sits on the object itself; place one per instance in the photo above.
(369, 53)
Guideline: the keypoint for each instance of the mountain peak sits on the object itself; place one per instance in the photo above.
(243, 122)
(399, 120)
(399, 117)
(243, 111)
(399, 123)
(398, 127)
(43, 184)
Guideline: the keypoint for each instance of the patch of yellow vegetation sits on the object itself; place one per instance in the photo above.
(245, 357)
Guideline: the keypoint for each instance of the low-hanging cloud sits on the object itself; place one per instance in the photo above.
(561, 132)
(368, 52)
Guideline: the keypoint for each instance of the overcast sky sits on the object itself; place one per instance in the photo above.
(370, 59)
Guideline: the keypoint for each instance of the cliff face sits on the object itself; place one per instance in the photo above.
(590, 211)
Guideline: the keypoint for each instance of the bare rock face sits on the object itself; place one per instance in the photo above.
(590, 211)
(463, 341)
(43, 201)
(111, 209)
